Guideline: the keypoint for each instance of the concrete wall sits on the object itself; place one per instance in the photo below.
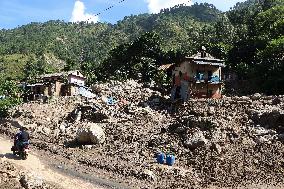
(58, 86)
(186, 71)
(189, 70)
(202, 90)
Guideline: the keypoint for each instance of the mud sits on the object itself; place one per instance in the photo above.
(234, 142)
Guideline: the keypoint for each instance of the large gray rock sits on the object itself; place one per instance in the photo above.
(256, 96)
(149, 175)
(90, 133)
(32, 180)
(196, 140)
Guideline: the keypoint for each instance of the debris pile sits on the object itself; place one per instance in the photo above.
(11, 177)
(226, 142)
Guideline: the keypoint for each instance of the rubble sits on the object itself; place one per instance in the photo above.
(31, 180)
(14, 178)
(226, 142)
(195, 140)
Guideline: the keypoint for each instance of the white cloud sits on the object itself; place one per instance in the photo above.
(154, 6)
(79, 14)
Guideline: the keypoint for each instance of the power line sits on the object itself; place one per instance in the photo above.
(107, 9)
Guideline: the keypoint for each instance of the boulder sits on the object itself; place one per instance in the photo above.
(256, 96)
(148, 175)
(31, 180)
(90, 133)
(46, 131)
(195, 140)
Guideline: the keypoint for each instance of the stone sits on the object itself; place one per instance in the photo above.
(256, 96)
(31, 180)
(46, 131)
(90, 134)
(196, 140)
(244, 98)
(62, 127)
(149, 175)
(211, 110)
(78, 116)
(17, 123)
(262, 139)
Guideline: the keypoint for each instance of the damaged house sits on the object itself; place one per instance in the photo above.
(198, 76)
(60, 84)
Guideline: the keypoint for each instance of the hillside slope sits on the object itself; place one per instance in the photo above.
(179, 27)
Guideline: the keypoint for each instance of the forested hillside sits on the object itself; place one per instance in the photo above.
(249, 37)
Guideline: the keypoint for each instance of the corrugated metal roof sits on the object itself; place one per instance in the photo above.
(61, 74)
(33, 85)
(209, 63)
(165, 66)
(208, 57)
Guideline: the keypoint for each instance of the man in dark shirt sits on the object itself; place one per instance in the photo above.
(22, 137)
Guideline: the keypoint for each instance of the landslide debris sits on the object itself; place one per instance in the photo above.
(12, 177)
(224, 143)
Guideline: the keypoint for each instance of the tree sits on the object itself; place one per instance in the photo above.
(134, 60)
(9, 93)
(272, 67)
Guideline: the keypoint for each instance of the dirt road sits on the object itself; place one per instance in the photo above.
(34, 165)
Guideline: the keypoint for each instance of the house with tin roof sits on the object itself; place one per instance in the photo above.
(198, 76)
(59, 84)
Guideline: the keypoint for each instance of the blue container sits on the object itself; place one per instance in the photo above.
(170, 160)
(161, 158)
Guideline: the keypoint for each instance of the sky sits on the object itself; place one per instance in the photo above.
(14, 13)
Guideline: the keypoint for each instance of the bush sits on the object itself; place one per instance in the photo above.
(10, 93)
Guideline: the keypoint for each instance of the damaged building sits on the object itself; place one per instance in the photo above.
(59, 84)
(198, 76)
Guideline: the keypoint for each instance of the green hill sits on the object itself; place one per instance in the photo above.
(179, 28)
(249, 38)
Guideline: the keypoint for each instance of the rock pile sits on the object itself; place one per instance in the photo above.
(226, 142)
(12, 178)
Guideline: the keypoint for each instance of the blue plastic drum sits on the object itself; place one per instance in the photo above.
(161, 158)
(170, 160)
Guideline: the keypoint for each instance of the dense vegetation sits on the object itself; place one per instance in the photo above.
(249, 38)
(9, 96)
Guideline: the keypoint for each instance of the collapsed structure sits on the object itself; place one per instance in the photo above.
(60, 84)
(217, 142)
(198, 76)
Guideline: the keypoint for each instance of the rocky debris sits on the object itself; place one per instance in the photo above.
(225, 142)
(13, 178)
(149, 175)
(269, 117)
(256, 96)
(276, 101)
(9, 176)
(31, 180)
(91, 133)
(195, 140)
